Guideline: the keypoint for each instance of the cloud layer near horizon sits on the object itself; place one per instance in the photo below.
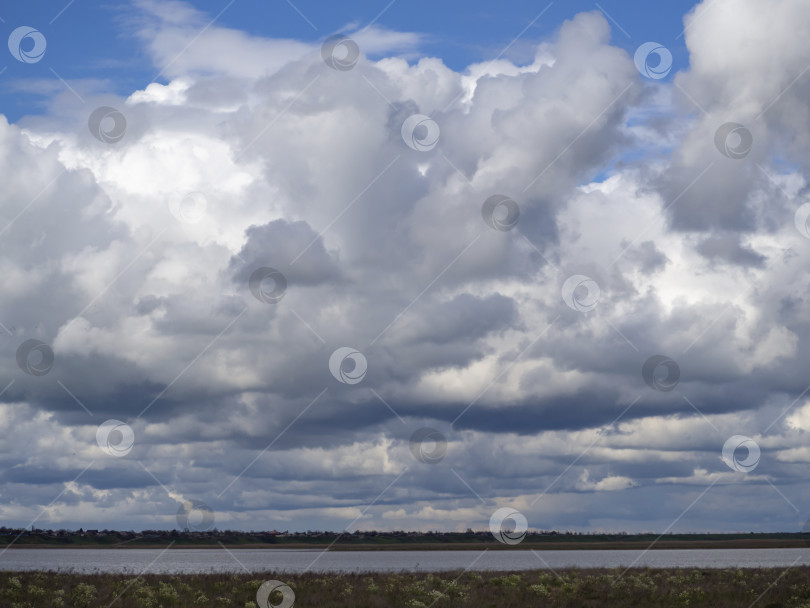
(132, 261)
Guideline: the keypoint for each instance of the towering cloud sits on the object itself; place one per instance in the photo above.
(280, 267)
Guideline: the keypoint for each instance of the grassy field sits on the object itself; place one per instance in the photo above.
(764, 588)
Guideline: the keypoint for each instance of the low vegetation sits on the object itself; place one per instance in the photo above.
(396, 540)
(766, 588)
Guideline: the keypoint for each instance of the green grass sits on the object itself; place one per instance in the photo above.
(763, 588)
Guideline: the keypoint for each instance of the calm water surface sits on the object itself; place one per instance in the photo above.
(173, 561)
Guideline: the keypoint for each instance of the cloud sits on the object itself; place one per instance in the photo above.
(728, 249)
(613, 483)
(182, 41)
(133, 261)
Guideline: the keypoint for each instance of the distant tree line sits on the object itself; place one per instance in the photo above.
(214, 536)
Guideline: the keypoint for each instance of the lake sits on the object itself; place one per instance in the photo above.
(176, 561)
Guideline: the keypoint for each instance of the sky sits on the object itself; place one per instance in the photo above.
(299, 265)
(101, 46)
